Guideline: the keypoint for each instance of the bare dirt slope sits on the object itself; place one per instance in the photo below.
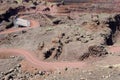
(64, 42)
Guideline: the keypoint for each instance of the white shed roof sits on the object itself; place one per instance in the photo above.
(22, 22)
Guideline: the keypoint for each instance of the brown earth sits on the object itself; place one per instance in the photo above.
(62, 43)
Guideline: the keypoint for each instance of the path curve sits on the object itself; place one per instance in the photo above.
(41, 64)
(114, 49)
(48, 65)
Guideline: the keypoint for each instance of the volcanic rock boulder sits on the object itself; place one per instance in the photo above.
(94, 50)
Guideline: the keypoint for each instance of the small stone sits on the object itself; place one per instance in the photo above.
(58, 71)
(55, 40)
(110, 67)
(56, 21)
(12, 56)
(41, 72)
(18, 65)
(46, 9)
(68, 41)
(2, 73)
(66, 69)
(23, 31)
(103, 76)
(62, 34)
(15, 35)
(54, 76)
(83, 79)
(106, 77)
(78, 39)
(89, 73)
(41, 45)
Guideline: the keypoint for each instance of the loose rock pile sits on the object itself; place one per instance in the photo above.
(95, 51)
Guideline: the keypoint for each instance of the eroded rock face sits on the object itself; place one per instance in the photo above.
(95, 51)
(7, 18)
(114, 24)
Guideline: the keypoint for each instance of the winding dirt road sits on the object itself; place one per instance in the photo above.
(48, 65)
(40, 64)
(32, 59)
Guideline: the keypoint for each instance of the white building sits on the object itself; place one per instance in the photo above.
(21, 22)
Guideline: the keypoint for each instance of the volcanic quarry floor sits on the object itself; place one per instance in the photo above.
(53, 52)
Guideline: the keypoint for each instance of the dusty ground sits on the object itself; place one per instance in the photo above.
(62, 43)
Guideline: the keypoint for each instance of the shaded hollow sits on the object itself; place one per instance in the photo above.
(10, 12)
(114, 25)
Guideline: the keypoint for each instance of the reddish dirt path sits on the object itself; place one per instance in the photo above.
(49, 65)
(114, 49)
(41, 64)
